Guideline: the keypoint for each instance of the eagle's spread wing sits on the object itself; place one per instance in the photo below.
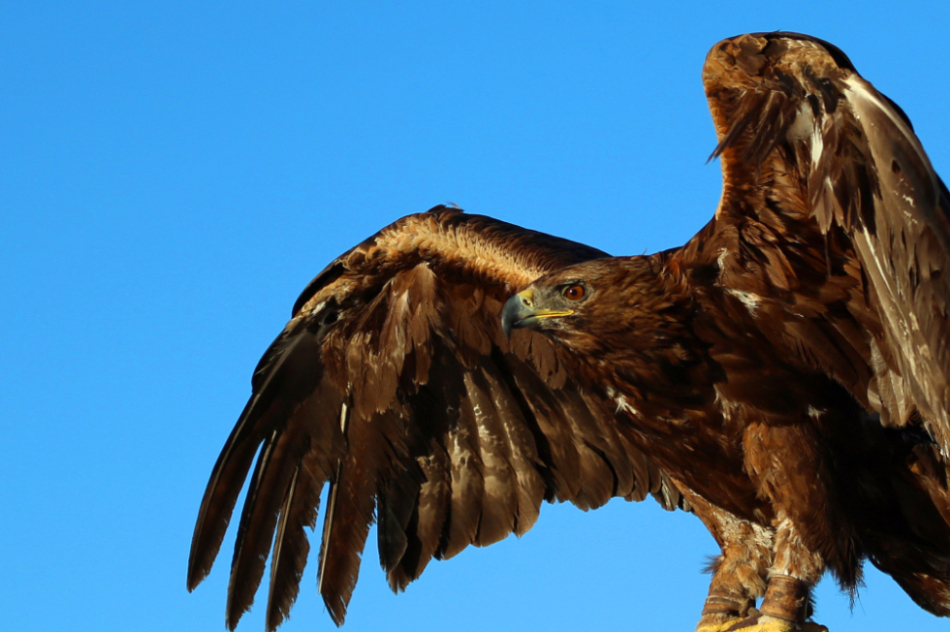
(822, 170)
(394, 382)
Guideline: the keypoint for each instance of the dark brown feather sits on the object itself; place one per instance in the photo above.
(291, 546)
(319, 414)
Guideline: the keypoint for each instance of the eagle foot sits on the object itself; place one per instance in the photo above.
(720, 614)
(722, 626)
(765, 623)
(717, 618)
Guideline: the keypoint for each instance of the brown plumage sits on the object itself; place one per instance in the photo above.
(782, 375)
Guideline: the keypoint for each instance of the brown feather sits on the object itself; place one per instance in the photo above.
(518, 445)
(468, 484)
(351, 514)
(499, 509)
(428, 520)
(276, 465)
(320, 415)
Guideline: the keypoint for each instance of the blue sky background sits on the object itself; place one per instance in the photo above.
(173, 174)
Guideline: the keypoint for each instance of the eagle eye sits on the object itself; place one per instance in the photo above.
(574, 292)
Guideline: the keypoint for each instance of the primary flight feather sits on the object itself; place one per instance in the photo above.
(783, 375)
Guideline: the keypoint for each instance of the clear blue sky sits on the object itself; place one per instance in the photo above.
(173, 174)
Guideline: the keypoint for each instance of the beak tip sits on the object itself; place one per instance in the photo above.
(512, 314)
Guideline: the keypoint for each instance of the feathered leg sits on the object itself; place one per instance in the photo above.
(739, 572)
(787, 465)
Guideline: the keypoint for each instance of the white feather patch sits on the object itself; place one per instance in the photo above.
(751, 301)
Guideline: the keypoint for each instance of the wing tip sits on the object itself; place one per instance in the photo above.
(204, 551)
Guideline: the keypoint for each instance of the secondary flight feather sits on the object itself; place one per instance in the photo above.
(783, 375)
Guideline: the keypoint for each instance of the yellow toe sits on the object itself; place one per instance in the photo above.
(770, 624)
(717, 627)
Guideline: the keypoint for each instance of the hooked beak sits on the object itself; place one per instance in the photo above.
(520, 311)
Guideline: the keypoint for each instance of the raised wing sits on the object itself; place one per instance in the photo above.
(394, 382)
(811, 149)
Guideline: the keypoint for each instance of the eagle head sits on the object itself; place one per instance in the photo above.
(602, 305)
(545, 306)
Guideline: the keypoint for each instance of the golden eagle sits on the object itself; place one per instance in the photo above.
(783, 375)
